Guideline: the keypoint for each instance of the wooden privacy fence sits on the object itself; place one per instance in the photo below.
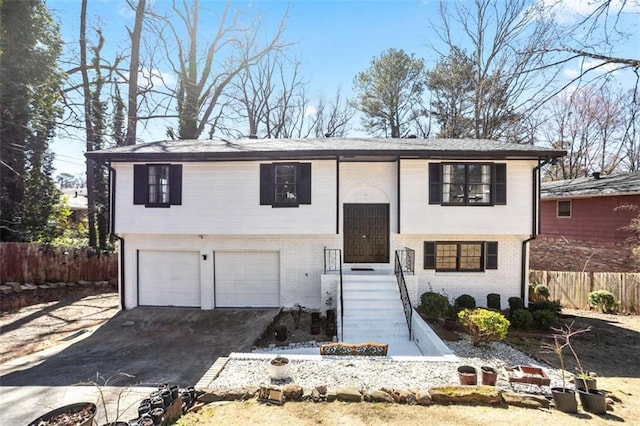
(573, 288)
(35, 263)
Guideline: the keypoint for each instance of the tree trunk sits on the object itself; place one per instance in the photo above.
(132, 108)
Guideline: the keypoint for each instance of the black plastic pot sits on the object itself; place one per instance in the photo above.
(565, 400)
(585, 384)
(281, 334)
(593, 401)
(69, 409)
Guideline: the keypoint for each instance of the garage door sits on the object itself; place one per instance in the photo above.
(169, 278)
(247, 279)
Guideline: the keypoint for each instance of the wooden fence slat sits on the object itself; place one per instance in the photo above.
(573, 288)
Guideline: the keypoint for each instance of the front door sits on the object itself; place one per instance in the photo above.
(366, 233)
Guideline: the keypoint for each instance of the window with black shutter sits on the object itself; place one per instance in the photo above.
(157, 185)
(285, 184)
(467, 184)
(460, 256)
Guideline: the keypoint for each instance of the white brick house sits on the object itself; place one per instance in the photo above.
(245, 223)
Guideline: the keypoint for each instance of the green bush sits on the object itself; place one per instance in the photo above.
(546, 305)
(465, 301)
(542, 292)
(545, 319)
(604, 300)
(484, 325)
(493, 301)
(521, 318)
(515, 303)
(434, 305)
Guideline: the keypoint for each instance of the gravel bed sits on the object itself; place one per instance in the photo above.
(374, 373)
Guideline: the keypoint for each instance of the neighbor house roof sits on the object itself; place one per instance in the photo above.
(619, 184)
(77, 198)
(256, 149)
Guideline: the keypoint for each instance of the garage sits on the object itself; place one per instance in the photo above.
(247, 279)
(169, 278)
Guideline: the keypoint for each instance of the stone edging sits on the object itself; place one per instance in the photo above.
(453, 394)
(16, 296)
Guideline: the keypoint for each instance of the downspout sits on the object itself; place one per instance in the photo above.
(112, 229)
(535, 223)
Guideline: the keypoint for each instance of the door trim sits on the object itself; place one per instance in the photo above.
(384, 257)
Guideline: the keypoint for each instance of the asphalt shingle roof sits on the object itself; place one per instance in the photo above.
(242, 149)
(619, 184)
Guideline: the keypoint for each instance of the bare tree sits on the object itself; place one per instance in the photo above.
(505, 40)
(631, 138)
(203, 75)
(134, 69)
(333, 117)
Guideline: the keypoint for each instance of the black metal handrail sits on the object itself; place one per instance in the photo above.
(404, 294)
(333, 263)
(407, 260)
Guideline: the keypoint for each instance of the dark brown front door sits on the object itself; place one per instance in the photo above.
(366, 233)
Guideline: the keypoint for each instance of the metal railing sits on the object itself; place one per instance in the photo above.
(407, 260)
(402, 285)
(333, 263)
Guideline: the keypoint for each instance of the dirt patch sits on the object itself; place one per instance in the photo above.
(298, 325)
(609, 349)
(547, 254)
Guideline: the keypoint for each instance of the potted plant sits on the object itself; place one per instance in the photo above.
(563, 398)
(592, 400)
(279, 368)
(78, 414)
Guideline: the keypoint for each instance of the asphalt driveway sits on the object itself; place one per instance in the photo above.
(150, 345)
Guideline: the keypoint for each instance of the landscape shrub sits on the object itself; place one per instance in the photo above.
(434, 305)
(484, 325)
(521, 318)
(515, 303)
(542, 292)
(465, 301)
(545, 319)
(493, 301)
(546, 305)
(604, 300)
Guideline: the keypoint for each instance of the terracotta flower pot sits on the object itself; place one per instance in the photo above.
(565, 400)
(467, 375)
(489, 375)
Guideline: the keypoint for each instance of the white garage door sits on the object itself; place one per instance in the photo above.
(169, 278)
(247, 279)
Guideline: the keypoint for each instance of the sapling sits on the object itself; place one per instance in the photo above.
(562, 339)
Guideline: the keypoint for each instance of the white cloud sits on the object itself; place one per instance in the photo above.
(155, 77)
(570, 72)
(310, 111)
(569, 11)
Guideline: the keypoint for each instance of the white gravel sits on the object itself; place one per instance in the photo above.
(372, 373)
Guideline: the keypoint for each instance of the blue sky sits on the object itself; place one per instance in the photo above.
(334, 40)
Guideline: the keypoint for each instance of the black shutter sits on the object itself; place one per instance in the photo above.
(140, 184)
(304, 186)
(429, 255)
(435, 183)
(175, 184)
(266, 184)
(491, 252)
(501, 184)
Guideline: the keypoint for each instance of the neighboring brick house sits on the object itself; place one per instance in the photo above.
(589, 209)
(245, 223)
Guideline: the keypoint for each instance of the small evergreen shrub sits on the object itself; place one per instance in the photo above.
(515, 303)
(542, 292)
(546, 305)
(484, 325)
(521, 318)
(465, 301)
(493, 301)
(545, 319)
(604, 300)
(434, 305)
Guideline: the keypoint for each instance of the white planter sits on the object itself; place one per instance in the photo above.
(279, 371)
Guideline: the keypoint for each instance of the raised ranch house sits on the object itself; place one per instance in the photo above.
(589, 209)
(271, 223)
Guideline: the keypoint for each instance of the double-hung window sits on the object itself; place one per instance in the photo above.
(460, 256)
(467, 184)
(157, 185)
(285, 184)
